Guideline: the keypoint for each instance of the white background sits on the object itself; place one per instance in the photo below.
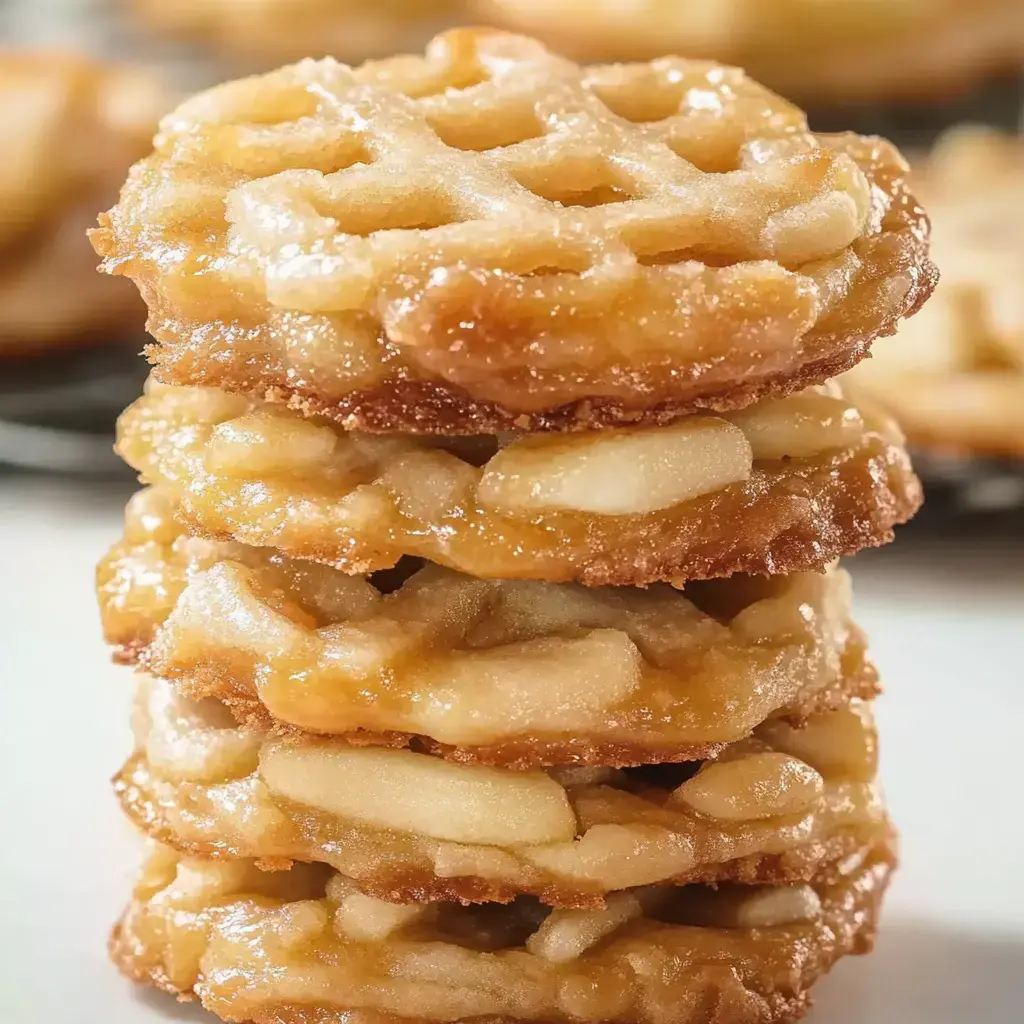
(945, 621)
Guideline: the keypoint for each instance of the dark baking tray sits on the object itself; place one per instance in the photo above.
(57, 410)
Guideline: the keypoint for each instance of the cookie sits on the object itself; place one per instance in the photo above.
(490, 237)
(300, 946)
(519, 674)
(411, 826)
(783, 486)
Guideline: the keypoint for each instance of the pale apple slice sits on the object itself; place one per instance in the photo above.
(409, 792)
(800, 426)
(751, 788)
(620, 472)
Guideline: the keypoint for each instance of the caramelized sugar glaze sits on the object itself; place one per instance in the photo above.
(503, 672)
(489, 236)
(369, 680)
(301, 947)
(783, 486)
(409, 825)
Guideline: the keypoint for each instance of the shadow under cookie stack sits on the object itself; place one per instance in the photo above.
(492, 661)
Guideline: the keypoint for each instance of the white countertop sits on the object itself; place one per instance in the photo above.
(945, 622)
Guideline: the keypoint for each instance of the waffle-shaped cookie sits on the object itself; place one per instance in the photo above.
(490, 236)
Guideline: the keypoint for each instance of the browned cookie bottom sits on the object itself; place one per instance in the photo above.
(303, 946)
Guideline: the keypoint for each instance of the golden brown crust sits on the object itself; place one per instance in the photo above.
(435, 407)
(785, 801)
(801, 864)
(775, 1009)
(799, 518)
(858, 681)
(126, 958)
(683, 289)
(788, 868)
(438, 407)
(796, 517)
(766, 977)
(132, 954)
(361, 503)
(465, 668)
(530, 752)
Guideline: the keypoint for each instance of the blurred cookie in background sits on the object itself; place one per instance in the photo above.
(827, 54)
(69, 129)
(262, 33)
(954, 375)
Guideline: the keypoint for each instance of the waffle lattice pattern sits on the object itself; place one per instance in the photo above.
(493, 217)
(407, 163)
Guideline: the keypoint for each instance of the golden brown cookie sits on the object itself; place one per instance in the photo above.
(299, 947)
(519, 674)
(70, 128)
(409, 825)
(955, 377)
(491, 237)
(834, 51)
(783, 486)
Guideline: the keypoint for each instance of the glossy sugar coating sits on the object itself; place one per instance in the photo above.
(519, 674)
(786, 485)
(302, 947)
(412, 826)
(491, 236)
(366, 287)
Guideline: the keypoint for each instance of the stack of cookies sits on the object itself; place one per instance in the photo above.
(492, 658)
